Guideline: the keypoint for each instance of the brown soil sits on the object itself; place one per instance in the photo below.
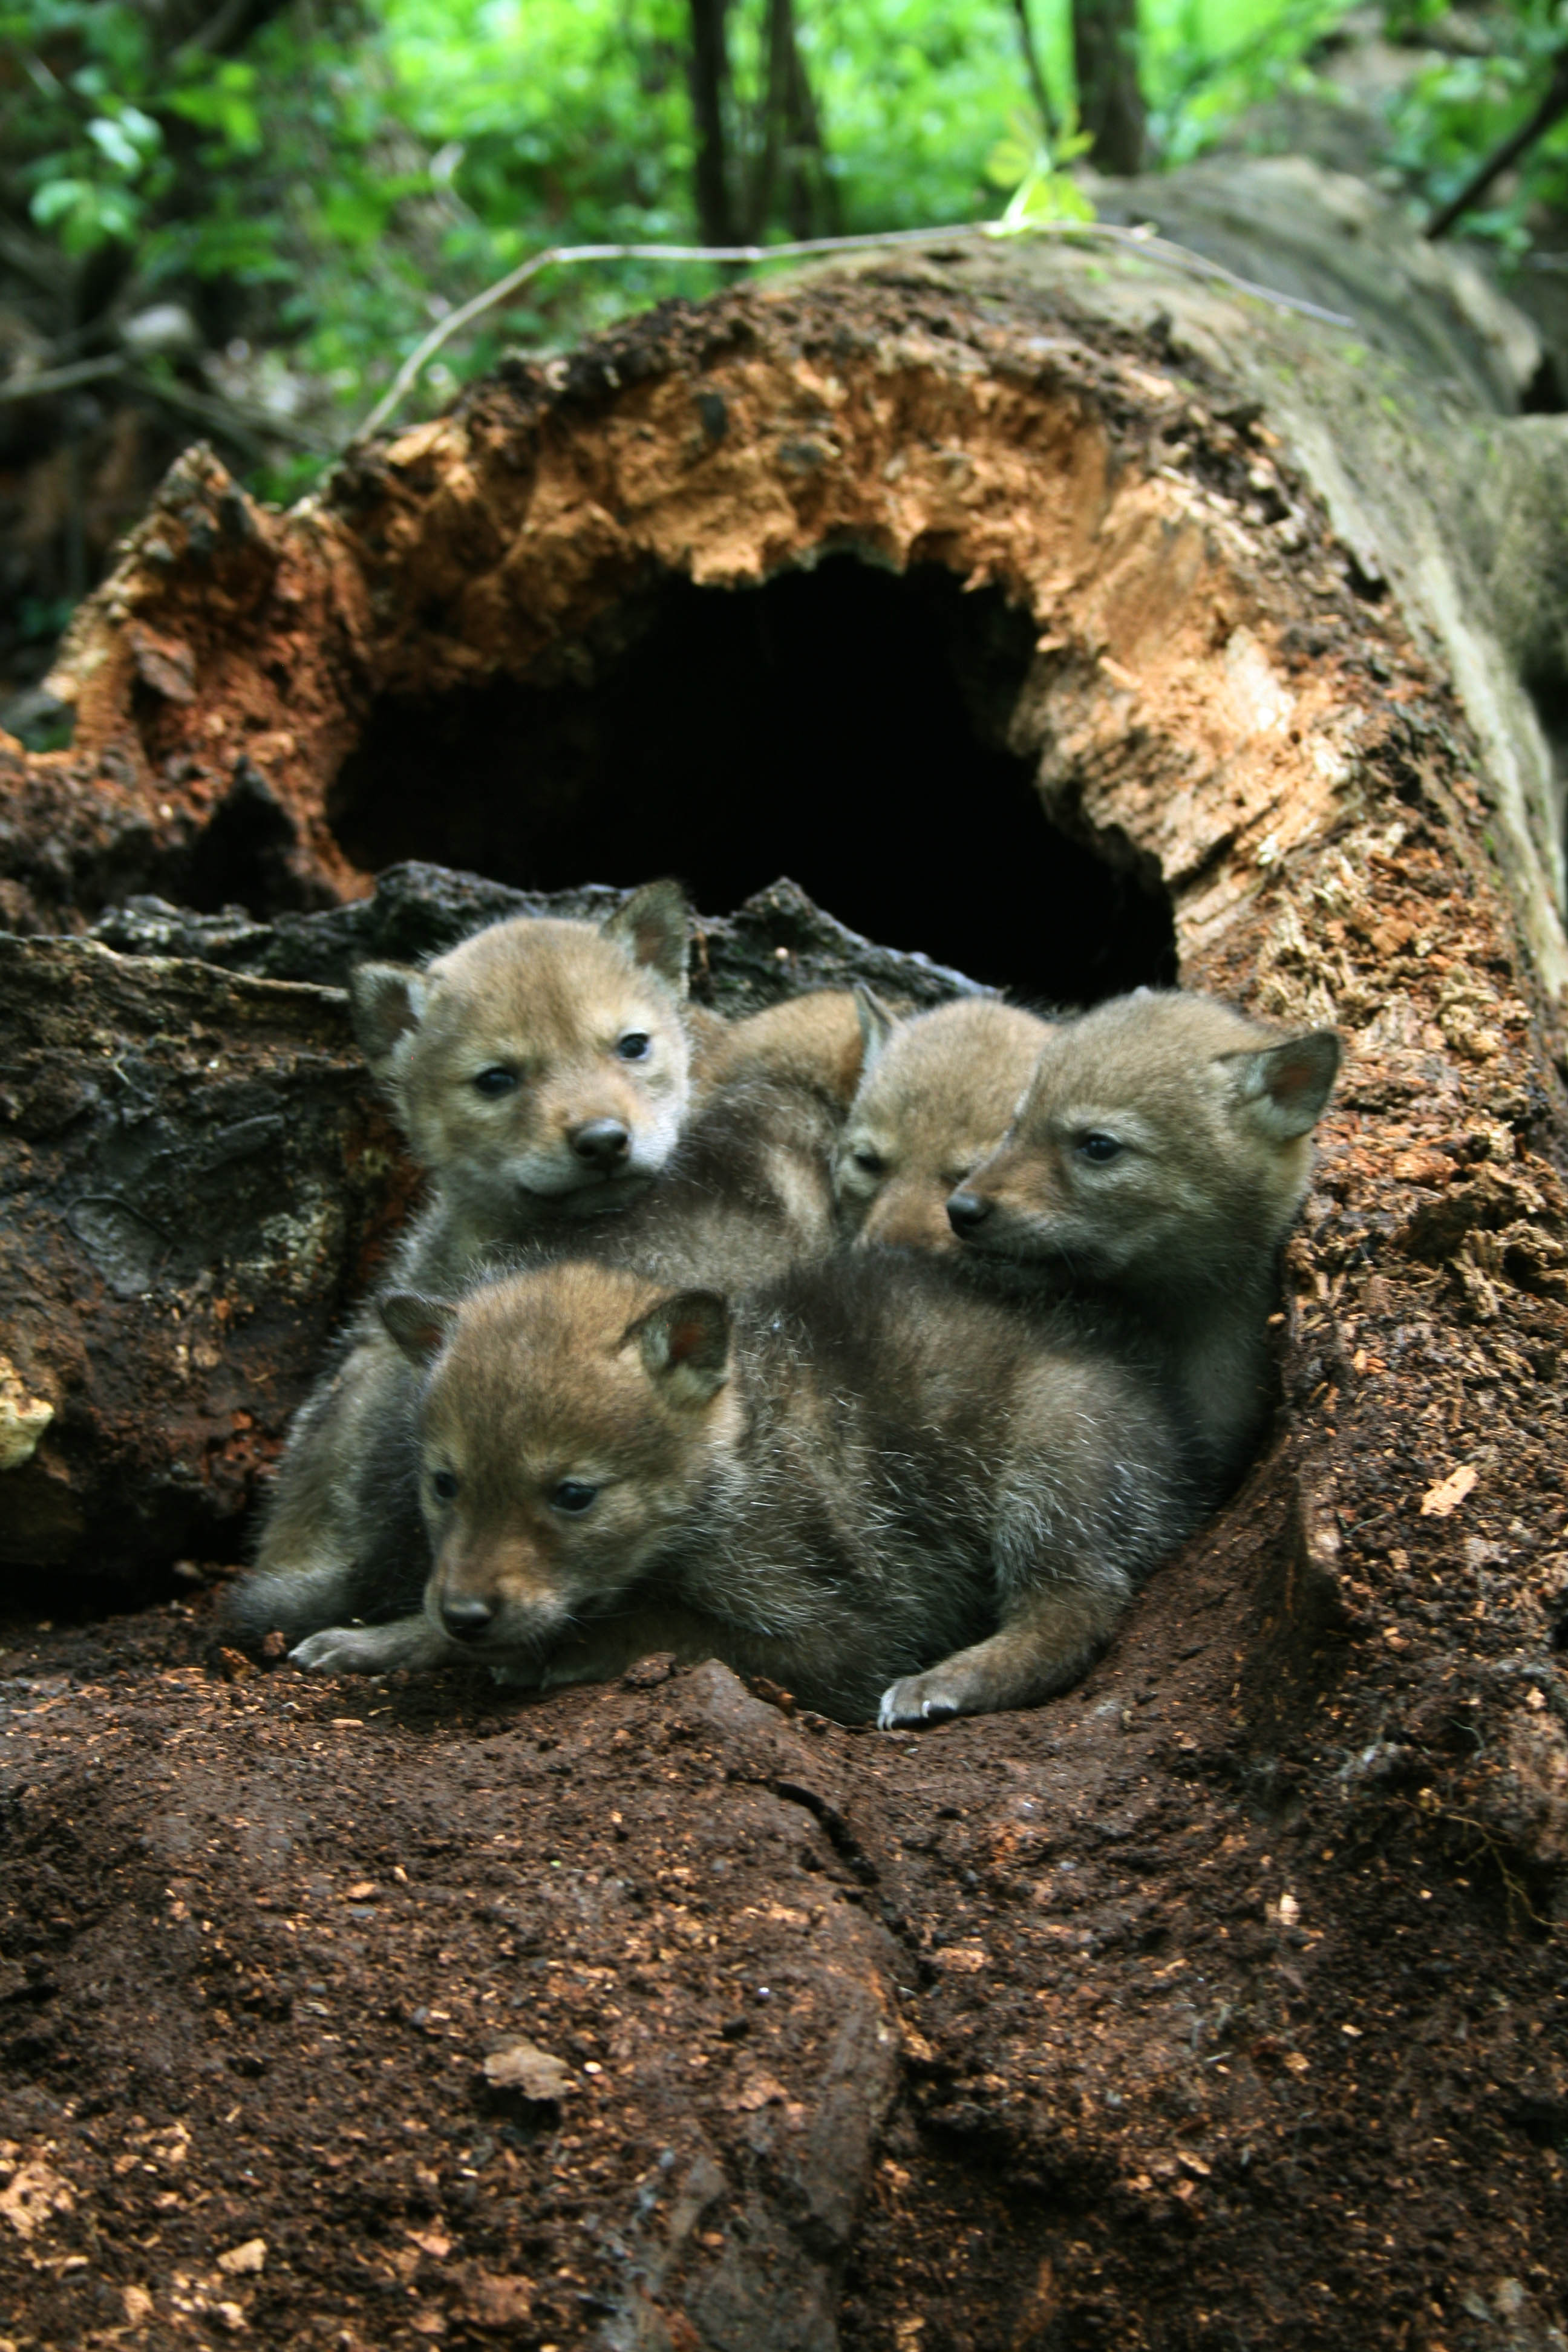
(1145, 2018)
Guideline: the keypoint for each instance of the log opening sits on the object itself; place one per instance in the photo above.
(843, 724)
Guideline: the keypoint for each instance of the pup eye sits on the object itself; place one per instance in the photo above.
(443, 1484)
(1099, 1147)
(572, 1495)
(498, 1080)
(871, 1162)
(635, 1047)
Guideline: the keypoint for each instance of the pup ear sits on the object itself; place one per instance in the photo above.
(878, 1026)
(684, 1342)
(388, 1002)
(421, 1327)
(655, 929)
(1285, 1088)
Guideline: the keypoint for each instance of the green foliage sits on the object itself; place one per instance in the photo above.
(360, 167)
(1043, 191)
(1460, 106)
(1209, 61)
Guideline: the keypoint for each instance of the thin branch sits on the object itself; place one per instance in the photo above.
(217, 32)
(565, 257)
(250, 429)
(1036, 72)
(60, 379)
(32, 258)
(1554, 104)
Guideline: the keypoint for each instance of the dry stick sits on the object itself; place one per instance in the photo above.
(1137, 240)
(1553, 104)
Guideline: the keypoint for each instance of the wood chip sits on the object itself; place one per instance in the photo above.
(500, 2302)
(522, 2068)
(1440, 1502)
(761, 2090)
(246, 2261)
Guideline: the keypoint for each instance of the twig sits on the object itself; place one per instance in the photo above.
(1139, 241)
(1553, 105)
(32, 260)
(1036, 71)
(60, 379)
(215, 34)
(251, 428)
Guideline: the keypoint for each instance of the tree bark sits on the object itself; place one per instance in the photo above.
(1243, 611)
(1109, 95)
(707, 65)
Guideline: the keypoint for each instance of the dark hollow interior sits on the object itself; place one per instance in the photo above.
(843, 726)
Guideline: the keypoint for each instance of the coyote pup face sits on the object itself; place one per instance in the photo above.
(936, 1096)
(1164, 1144)
(572, 1421)
(542, 1066)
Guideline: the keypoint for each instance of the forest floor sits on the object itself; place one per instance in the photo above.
(1075, 2027)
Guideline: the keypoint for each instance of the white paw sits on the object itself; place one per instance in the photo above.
(340, 1650)
(918, 1699)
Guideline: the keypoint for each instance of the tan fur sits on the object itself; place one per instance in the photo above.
(1210, 1114)
(550, 1003)
(746, 1194)
(841, 1480)
(937, 1094)
(813, 1040)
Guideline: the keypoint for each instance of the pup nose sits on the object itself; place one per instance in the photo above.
(602, 1142)
(466, 1620)
(966, 1212)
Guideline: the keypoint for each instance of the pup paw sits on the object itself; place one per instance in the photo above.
(918, 1701)
(340, 1650)
(516, 1677)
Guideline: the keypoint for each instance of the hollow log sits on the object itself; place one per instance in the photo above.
(1081, 624)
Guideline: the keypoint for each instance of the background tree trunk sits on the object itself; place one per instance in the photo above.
(1219, 2000)
(1110, 96)
(709, 67)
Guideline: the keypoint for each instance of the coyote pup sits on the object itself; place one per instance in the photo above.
(541, 1071)
(1158, 1160)
(937, 1094)
(813, 1040)
(843, 1477)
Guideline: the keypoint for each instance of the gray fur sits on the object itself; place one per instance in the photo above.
(1180, 1227)
(903, 1495)
(748, 1193)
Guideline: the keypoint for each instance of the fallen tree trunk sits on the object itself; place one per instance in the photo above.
(1077, 624)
